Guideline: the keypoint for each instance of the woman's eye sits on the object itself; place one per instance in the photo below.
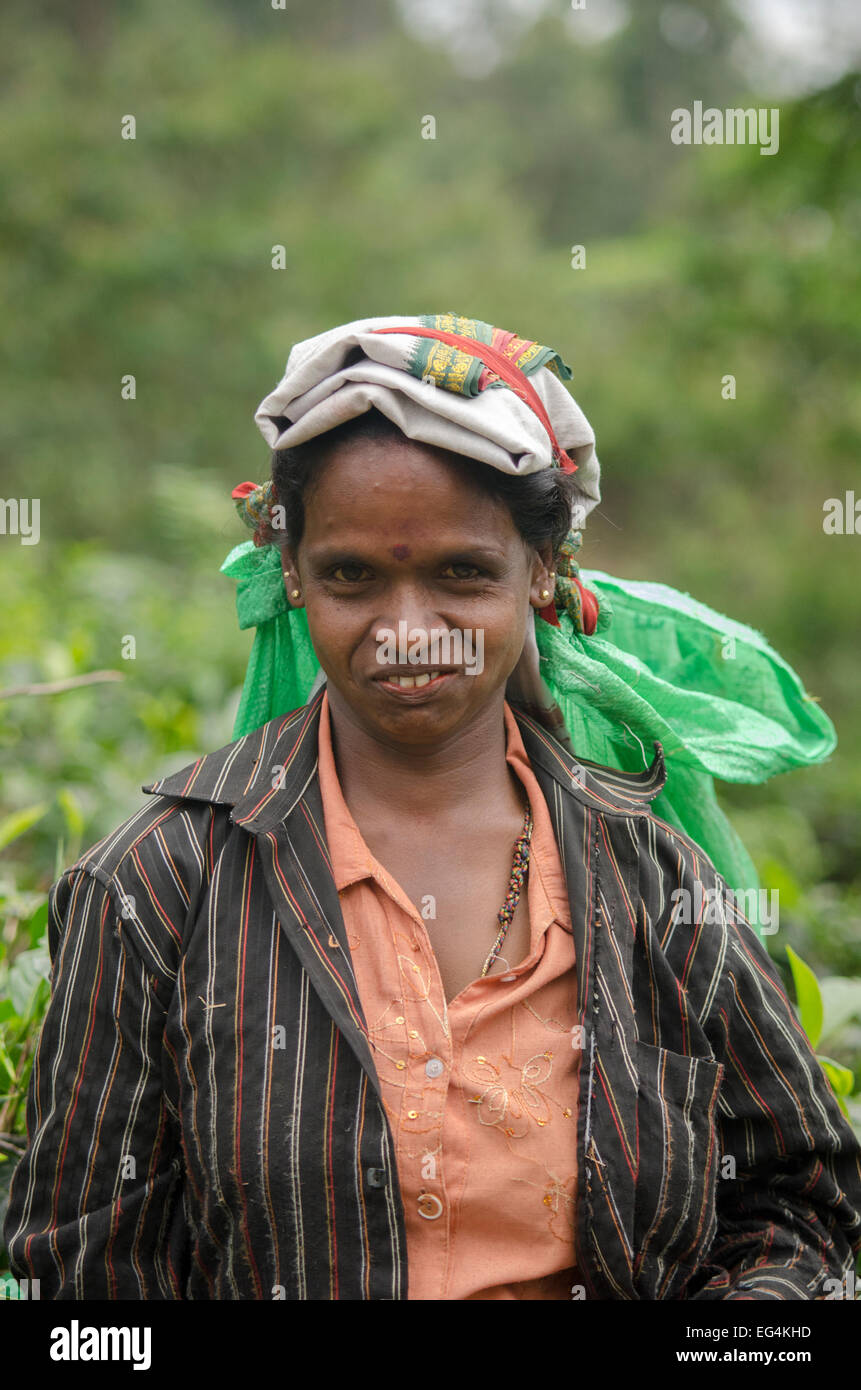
(472, 571)
(349, 573)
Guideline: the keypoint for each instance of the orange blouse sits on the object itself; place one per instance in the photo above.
(482, 1094)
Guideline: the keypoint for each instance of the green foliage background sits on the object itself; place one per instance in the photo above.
(258, 127)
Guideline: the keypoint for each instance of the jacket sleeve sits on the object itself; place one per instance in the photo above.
(788, 1194)
(95, 1203)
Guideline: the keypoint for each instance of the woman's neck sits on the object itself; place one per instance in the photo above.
(450, 779)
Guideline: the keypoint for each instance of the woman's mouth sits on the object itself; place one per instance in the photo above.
(416, 685)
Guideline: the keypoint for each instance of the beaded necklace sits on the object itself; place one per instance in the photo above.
(519, 866)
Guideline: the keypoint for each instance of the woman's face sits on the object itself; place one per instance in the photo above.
(400, 534)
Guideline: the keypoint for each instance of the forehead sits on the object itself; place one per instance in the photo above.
(382, 486)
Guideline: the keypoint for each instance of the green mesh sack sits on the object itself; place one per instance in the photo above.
(719, 699)
(283, 664)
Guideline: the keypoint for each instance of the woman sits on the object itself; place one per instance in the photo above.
(390, 997)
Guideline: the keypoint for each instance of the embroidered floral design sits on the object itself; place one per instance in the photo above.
(511, 1107)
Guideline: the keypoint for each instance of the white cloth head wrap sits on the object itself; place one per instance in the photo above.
(343, 373)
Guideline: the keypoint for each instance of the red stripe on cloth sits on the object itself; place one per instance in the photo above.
(505, 369)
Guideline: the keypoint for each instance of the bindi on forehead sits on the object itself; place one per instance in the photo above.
(401, 552)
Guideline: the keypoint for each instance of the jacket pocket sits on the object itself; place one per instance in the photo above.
(674, 1203)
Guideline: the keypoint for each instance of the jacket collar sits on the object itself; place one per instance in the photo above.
(261, 775)
(264, 774)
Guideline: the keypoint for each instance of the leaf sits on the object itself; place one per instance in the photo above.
(37, 923)
(841, 1078)
(6, 1061)
(841, 1002)
(72, 811)
(808, 995)
(25, 975)
(20, 822)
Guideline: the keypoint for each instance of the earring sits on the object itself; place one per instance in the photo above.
(545, 593)
(294, 593)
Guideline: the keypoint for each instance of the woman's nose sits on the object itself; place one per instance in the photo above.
(409, 602)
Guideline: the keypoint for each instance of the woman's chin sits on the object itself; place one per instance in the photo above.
(418, 713)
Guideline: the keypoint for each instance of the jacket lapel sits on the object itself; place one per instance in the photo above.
(269, 778)
(288, 824)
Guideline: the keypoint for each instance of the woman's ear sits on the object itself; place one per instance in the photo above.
(292, 582)
(543, 576)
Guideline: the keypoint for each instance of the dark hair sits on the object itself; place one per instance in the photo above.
(540, 503)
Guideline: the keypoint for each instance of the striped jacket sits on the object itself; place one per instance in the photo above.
(205, 1119)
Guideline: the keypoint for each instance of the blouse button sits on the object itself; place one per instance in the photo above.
(434, 1067)
(430, 1207)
